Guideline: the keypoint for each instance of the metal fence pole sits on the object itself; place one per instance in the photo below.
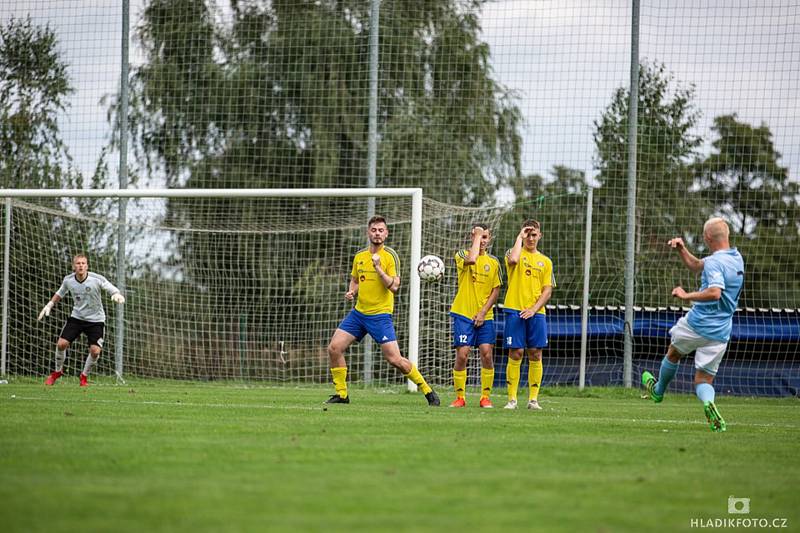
(6, 282)
(630, 240)
(587, 255)
(372, 146)
(413, 280)
(123, 184)
(372, 139)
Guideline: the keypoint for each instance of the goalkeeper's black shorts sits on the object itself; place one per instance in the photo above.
(93, 331)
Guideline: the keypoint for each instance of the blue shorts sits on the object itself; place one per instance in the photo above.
(524, 333)
(379, 327)
(466, 334)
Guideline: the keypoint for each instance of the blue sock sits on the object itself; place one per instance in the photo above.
(665, 375)
(705, 392)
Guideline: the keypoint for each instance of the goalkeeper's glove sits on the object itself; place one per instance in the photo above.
(46, 310)
(118, 298)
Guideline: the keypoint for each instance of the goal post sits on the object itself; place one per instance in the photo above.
(260, 222)
(6, 274)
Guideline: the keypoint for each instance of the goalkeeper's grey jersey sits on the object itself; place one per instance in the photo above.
(87, 296)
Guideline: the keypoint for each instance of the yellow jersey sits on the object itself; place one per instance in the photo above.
(527, 279)
(373, 296)
(475, 284)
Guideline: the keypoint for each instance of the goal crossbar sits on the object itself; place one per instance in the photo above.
(209, 193)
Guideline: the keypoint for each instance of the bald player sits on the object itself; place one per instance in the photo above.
(706, 328)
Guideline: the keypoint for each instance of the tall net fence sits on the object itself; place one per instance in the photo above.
(480, 103)
(730, 150)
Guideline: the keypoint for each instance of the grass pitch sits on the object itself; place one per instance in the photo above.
(167, 456)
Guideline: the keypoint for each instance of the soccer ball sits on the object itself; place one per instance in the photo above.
(430, 268)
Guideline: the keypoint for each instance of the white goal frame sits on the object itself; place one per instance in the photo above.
(416, 236)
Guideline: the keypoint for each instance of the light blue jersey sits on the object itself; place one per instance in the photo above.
(712, 320)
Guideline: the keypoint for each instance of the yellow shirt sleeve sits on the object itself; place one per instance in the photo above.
(547, 275)
(459, 259)
(391, 264)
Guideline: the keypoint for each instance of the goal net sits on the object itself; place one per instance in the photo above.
(226, 288)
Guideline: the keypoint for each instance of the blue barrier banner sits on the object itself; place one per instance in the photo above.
(763, 356)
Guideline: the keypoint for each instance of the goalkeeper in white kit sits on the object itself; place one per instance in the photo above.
(88, 316)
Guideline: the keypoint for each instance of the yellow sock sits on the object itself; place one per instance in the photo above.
(460, 382)
(512, 377)
(417, 378)
(535, 378)
(340, 380)
(487, 379)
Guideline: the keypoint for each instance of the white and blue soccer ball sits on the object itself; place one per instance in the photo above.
(430, 268)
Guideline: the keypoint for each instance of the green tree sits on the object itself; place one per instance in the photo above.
(561, 208)
(278, 97)
(666, 144)
(34, 89)
(744, 182)
(558, 202)
(275, 94)
(448, 126)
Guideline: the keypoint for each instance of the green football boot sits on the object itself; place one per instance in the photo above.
(715, 419)
(649, 383)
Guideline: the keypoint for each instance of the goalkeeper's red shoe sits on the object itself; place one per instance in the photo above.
(53, 378)
(84, 383)
(459, 402)
(486, 403)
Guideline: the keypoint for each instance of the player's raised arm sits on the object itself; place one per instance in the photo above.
(389, 281)
(475, 246)
(60, 293)
(49, 306)
(116, 294)
(692, 263)
(516, 251)
(709, 294)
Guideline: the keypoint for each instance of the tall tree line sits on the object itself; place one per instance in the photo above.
(275, 94)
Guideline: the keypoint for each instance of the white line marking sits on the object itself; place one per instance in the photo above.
(179, 403)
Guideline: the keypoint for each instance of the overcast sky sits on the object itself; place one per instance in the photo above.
(563, 59)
